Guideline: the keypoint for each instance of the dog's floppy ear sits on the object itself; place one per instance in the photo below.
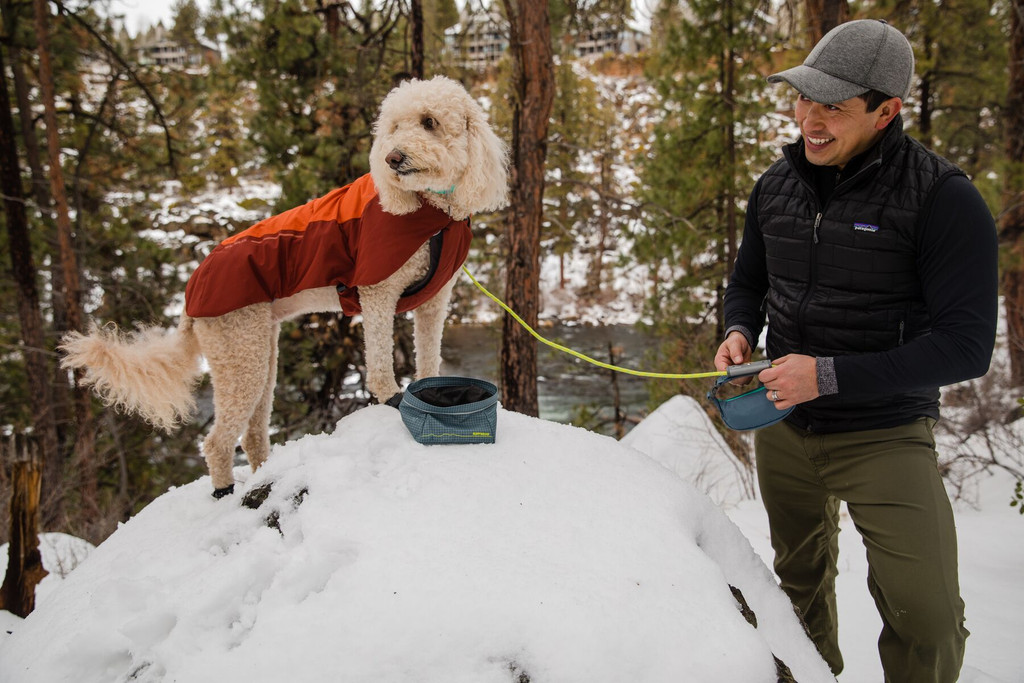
(484, 185)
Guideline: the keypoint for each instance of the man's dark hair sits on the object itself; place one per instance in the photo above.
(874, 99)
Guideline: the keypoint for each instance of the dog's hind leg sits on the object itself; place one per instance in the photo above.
(236, 346)
(428, 326)
(256, 440)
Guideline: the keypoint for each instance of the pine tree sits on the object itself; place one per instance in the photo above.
(586, 209)
(320, 72)
(186, 22)
(106, 120)
(574, 134)
(960, 86)
(33, 348)
(708, 66)
(439, 15)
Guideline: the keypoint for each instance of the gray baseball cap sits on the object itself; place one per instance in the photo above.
(852, 59)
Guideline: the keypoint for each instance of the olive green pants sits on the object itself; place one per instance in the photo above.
(893, 490)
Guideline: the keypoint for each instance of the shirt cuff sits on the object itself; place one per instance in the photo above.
(827, 382)
(745, 332)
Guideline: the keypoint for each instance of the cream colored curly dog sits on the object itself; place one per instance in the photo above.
(391, 241)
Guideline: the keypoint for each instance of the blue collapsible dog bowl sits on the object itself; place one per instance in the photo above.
(445, 410)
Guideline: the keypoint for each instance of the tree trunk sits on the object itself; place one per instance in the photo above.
(85, 435)
(825, 15)
(619, 416)
(731, 218)
(416, 10)
(1011, 224)
(927, 96)
(533, 95)
(24, 562)
(604, 220)
(53, 461)
(38, 370)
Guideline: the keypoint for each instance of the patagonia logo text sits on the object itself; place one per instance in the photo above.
(865, 227)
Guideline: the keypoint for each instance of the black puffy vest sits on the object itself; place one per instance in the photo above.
(843, 276)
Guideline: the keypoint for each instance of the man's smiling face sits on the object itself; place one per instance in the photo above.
(835, 133)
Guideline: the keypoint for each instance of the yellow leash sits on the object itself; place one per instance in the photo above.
(577, 354)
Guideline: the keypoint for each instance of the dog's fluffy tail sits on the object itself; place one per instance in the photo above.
(150, 372)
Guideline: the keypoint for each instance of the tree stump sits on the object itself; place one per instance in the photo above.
(24, 562)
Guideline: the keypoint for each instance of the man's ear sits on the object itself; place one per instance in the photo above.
(887, 112)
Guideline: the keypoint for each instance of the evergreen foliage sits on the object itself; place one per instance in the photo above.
(319, 74)
(438, 16)
(570, 18)
(187, 22)
(580, 213)
(112, 156)
(708, 62)
(960, 48)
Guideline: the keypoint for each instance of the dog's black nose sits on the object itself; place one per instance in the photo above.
(395, 159)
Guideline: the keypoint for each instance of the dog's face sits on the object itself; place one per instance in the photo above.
(432, 141)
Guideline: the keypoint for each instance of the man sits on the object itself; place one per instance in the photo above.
(875, 262)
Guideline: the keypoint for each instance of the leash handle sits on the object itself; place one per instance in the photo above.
(747, 369)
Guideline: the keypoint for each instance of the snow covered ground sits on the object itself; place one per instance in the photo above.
(554, 553)
(991, 549)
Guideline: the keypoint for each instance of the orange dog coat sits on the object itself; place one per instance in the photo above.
(343, 239)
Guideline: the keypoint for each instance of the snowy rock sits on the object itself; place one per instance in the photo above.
(552, 555)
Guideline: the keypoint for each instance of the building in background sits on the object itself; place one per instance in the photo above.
(480, 38)
(158, 48)
(611, 36)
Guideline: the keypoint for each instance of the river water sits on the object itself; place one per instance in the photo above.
(565, 384)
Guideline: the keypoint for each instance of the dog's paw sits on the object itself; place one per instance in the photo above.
(394, 400)
(226, 491)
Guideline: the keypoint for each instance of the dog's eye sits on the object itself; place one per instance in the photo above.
(428, 122)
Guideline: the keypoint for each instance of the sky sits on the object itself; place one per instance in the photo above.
(140, 14)
(554, 552)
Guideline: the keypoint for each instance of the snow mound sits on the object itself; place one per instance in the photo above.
(554, 554)
(709, 463)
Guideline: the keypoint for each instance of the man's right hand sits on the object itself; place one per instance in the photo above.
(733, 351)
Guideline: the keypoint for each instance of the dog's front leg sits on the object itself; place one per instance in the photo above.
(428, 327)
(379, 303)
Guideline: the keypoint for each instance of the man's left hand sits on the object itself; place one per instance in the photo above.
(791, 380)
